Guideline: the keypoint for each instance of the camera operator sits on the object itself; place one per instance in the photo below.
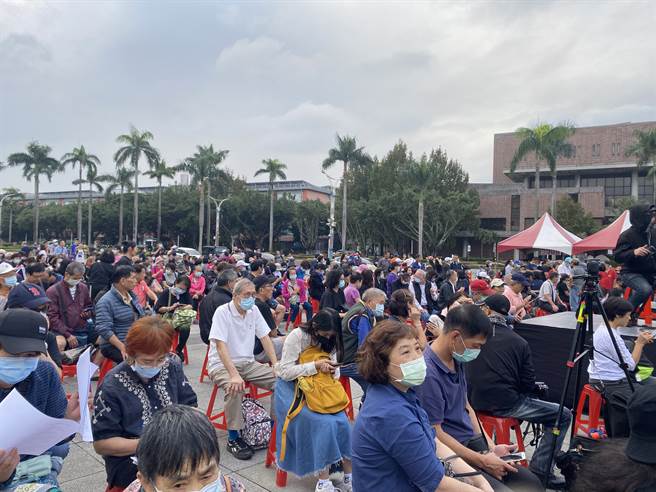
(502, 382)
(635, 252)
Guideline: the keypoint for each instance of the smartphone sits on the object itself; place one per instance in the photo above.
(514, 457)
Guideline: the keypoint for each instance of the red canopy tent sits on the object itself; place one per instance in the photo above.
(605, 238)
(546, 233)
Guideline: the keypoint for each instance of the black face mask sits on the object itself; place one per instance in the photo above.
(327, 344)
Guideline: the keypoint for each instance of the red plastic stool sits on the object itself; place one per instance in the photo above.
(106, 366)
(219, 419)
(203, 371)
(646, 314)
(174, 346)
(346, 383)
(68, 371)
(593, 420)
(281, 475)
(500, 428)
(540, 312)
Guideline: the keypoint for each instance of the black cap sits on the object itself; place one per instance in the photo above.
(22, 330)
(261, 281)
(642, 423)
(518, 277)
(498, 303)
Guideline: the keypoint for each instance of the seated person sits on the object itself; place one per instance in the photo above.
(502, 383)
(116, 310)
(263, 294)
(519, 306)
(444, 397)
(150, 378)
(179, 450)
(563, 287)
(230, 360)
(548, 297)
(174, 299)
(22, 348)
(402, 308)
(394, 446)
(356, 325)
(629, 464)
(314, 441)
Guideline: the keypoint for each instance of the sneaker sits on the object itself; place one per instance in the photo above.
(346, 487)
(239, 449)
(326, 487)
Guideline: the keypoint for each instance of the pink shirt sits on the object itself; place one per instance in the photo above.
(140, 291)
(197, 285)
(516, 302)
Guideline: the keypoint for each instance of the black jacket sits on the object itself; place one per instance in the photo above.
(100, 277)
(502, 372)
(335, 300)
(629, 240)
(315, 286)
(218, 296)
(430, 304)
(447, 292)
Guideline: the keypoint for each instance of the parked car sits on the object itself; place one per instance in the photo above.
(193, 253)
(214, 250)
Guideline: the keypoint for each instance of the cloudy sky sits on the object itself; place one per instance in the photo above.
(279, 79)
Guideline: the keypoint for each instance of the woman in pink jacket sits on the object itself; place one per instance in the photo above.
(295, 294)
(197, 289)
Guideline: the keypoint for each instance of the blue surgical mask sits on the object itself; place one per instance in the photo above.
(467, 356)
(216, 486)
(247, 304)
(146, 372)
(13, 370)
(292, 277)
(342, 283)
(379, 310)
(11, 281)
(178, 291)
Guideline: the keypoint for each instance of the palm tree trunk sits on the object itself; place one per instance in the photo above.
(11, 222)
(209, 217)
(35, 232)
(344, 206)
(270, 216)
(89, 243)
(135, 225)
(120, 216)
(420, 220)
(201, 214)
(159, 209)
(79, 205)
(653, 182)
(537, 192)
(553, 195)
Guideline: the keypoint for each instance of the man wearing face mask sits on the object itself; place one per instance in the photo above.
(231, 363)
(7, 281)
(22, 343)
(444, 397)
(634, 254)
(70, 307)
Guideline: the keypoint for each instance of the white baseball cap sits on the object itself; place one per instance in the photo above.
(6, 268)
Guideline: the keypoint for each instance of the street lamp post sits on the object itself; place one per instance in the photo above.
(1, 202)
(217, 204)
(331, 220)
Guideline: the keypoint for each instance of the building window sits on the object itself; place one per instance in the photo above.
(528, 222)
(496, 224)
(545, 182)
(614, 186)
(596, 150)
(566, 181)
(515, 201)
(615, 149)
(645, 188)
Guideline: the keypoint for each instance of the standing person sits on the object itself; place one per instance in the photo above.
(578, 273)
(607, 278)
(333, 296)
(197, 286)
(128, 249)
(352, 291)
(115, 313)
(70, 308)
(100, 274)
(7, 281)
(392, 276)
(231, 362)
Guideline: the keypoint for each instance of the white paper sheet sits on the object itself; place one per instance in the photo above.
(85, 369)
(27, 429)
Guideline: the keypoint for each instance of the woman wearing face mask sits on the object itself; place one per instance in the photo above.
(394, 445)
(294, 292)
(197, 288)
(7, 281)
(148, 380)
(174, 299)
(333, 296)
(314, 441)
(169, 275)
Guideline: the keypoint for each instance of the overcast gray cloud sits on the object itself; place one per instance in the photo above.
(279, 79)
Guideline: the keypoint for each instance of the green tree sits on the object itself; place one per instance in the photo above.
(574, 218)
(94, 181)
(121, 181)
(548, 143)
(644, 150)
(348, 153)
(36, 163)
(136, 144)
(275, 170)
(308, 217)
(11, 198)
(158, 172)
(420, 177)
(203, 166)
(83, 160)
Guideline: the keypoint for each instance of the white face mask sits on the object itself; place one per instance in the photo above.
(216, 486)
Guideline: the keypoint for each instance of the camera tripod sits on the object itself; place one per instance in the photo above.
(584, 328)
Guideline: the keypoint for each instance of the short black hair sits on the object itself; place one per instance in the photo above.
(468, 319)
(107, 256)
(177, 438)
(355, 277)
(183, 279)
(138, 268)
(616, 307)
(36, 267)
(333, 277)
(256, 265)
(127, 245)
(124, 271)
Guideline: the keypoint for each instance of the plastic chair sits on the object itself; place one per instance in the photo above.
(105, 367)
(646, 313)
(500, 428)
(281, 475)
(593, 420)
(219, 419)
(540, 312)
(68, 371)
(174, 346)
(346, 383)
(203, 371)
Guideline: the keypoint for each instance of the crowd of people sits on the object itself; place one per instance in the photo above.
(430, 342)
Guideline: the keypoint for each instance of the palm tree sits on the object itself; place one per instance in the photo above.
(83, 160)
(160, 171)
(644, 150)
(275, 169)
(94, 181)
(122, 181)
(202, 167)
(348, 152)
(420, 176)
(36, 163)
(13, 196)
(548, 143)
(136, 144)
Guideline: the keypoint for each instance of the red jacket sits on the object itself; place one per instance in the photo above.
(64, 312)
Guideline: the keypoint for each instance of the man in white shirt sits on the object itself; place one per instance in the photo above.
(548, 296)
(565, 268)
(231, 362)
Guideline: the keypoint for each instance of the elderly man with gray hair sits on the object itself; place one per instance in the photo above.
(70, 308)
(356, 325)
(231, 363)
